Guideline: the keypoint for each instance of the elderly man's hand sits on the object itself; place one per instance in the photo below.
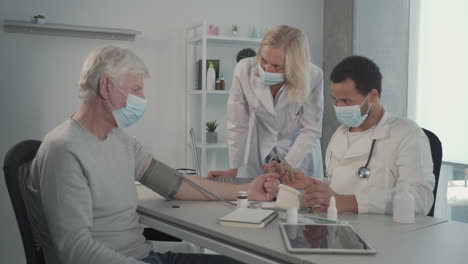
(264, 187)
(231, 173)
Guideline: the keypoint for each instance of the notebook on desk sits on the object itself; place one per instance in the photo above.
(247, 217)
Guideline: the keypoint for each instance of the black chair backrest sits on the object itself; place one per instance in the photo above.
(18, 155)
(436, 151)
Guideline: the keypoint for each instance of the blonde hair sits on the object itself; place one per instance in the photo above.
(112, 61)
(295, 47)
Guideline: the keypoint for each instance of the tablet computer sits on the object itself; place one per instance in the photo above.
(324, 238)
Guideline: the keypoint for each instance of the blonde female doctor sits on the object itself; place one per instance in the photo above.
(275, 108)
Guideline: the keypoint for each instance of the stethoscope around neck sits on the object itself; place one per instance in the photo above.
(364, 171)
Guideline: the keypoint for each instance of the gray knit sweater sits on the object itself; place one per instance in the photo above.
(82, 198)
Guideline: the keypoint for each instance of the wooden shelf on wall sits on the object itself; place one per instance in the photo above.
(24, 27)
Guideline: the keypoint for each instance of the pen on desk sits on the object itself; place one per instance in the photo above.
(319, 219)
(305, 210)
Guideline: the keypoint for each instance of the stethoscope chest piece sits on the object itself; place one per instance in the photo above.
(363, 172)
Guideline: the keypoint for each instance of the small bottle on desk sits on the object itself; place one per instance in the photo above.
(332, 213)
(291, 215)
(242, 201)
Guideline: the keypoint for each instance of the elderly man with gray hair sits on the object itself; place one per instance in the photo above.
(81, 193)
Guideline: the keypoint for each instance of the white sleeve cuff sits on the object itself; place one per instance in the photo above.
(362, 203)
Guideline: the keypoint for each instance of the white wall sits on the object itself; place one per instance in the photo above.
(381, 32)
(437, 91)
(38, 73)
(440, 59)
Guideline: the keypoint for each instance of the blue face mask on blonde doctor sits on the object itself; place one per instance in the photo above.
(270, 78)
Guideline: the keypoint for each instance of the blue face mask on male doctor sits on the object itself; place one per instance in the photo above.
(350, 116)
(270, 78)
(132, 111)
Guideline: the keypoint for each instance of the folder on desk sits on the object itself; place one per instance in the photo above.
(247, 217)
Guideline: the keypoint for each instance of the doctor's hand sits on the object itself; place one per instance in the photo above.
(274, 167)
(231, 173)
(264, 187)
(318, 193)
(300, 182)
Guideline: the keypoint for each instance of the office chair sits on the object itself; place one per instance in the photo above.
(436, 152)
(20, 154)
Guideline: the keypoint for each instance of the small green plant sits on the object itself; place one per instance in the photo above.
(39, 16)
(245, 53)
(234, 28)
(211, 126)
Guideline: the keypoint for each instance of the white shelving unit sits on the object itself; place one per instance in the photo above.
(24, 27)
(203, 105)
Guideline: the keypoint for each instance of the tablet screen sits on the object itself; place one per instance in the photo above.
(324, 238)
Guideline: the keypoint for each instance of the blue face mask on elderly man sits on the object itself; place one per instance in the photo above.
(132, 111)
(351, 116)
(270, 78)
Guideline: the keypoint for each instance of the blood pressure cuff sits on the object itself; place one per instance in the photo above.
(162, 179)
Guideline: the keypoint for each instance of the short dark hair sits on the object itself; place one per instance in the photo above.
(363, 71)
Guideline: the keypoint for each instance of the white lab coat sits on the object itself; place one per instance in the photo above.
(401, 155)
(256, 124)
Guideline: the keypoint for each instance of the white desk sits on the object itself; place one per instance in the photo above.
(421, 242)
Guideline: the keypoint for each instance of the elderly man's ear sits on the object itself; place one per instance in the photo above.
(104, 85)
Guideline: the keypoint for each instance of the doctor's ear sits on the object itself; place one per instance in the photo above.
(373, 95)
(103, 88)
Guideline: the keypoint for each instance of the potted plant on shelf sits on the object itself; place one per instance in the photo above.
(245, 53)
(40, 19)
(234, 30)
(211, 135)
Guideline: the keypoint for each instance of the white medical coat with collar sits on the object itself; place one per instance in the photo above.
(256, 124)
(401, 155)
